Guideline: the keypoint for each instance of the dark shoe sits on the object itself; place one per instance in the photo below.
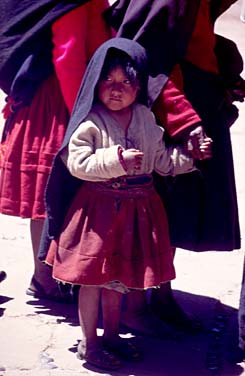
(123, 348)
(99, 357)
(36, 290)
(3, 275)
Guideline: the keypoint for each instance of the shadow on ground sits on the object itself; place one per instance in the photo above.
(207, 352)
(3, 299)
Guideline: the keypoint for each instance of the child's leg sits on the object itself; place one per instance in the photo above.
(88, 303)
(111, 307)
(90, 348)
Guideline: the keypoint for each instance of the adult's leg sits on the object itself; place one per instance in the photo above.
(162, 317)
(165, 306)
(42, 284)
(138, 316)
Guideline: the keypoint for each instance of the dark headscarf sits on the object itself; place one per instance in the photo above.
(163, 27)
(62, 185)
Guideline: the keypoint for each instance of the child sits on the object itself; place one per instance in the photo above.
(115, 234)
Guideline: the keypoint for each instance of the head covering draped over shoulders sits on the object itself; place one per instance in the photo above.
(62, 185)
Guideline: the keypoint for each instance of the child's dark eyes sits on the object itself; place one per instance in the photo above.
(126, 82)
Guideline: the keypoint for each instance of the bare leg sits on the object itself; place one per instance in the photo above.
(88, 303)
(90, 348)
(112, 342)
(42, 284)
(42, 273)
(111, 308)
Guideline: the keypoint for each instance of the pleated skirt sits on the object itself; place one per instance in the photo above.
(33, 138)
(114, 235)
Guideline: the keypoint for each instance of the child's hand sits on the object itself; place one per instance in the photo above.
(132, 158)
(198, 144)
(206, 148)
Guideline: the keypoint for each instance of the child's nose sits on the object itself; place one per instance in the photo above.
(117, 87)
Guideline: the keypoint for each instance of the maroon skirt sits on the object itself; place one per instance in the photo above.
(114, 233)
(34, 137)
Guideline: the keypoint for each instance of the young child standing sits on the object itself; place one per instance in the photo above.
(114, 237)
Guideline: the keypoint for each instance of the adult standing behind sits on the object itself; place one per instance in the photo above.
(45, 47)
(195, 77)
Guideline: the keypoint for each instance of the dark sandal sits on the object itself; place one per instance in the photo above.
(38, 292)
(99, 358)
(124, 349)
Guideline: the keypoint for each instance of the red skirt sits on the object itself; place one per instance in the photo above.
(114, 234)
(34, 137)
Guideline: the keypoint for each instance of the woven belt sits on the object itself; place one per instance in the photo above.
(125, 181)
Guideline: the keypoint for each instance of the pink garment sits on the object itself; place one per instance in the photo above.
(172, 110)
(76, 36)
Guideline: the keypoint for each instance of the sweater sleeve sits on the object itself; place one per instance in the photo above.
(87, 159)
(76, 35)
(170, 160)
(172, 110)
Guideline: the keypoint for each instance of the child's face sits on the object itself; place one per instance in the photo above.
(116, 92)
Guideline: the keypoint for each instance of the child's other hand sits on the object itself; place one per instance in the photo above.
(206, 148)
(198, 144)
(132, 158)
